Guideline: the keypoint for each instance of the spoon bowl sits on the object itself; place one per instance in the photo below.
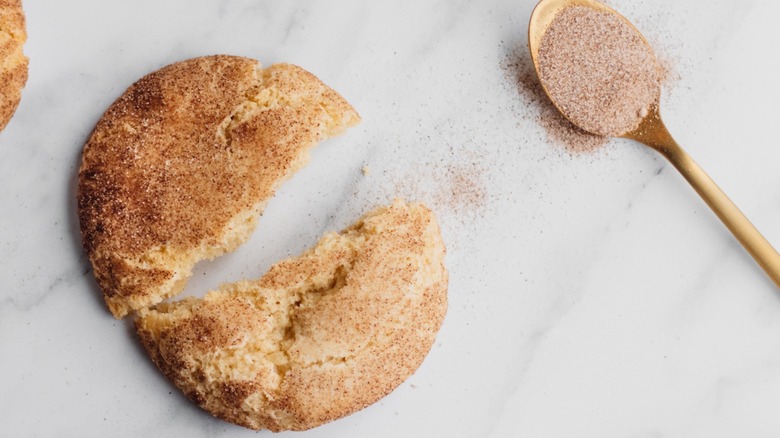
(652, 132)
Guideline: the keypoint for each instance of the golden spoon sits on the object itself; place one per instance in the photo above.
(653, 133)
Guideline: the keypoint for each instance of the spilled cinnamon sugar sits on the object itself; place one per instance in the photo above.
(463, 190)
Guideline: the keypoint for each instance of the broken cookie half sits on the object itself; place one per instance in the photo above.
(181, 166)
(319, 336)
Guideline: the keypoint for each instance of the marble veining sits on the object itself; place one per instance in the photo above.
(591, 295)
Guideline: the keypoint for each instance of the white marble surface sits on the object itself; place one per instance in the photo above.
(591, 296)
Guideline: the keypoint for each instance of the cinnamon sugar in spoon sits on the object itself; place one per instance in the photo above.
(602, 75)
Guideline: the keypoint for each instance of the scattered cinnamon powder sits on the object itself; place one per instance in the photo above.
(669, 74)
(457, 189)
(463, 189)
(598, 70)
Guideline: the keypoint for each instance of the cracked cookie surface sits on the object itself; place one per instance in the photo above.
(13, 62)
(181, 166)
(319, 336)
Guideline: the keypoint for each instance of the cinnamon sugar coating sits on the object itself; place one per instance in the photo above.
(181, 166)
(319, 336)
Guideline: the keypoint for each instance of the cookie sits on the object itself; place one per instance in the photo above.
(181, 166)
(13, 62)
(319, 336)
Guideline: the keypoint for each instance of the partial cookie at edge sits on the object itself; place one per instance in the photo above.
(13, 62)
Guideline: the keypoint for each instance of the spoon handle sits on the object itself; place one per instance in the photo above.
(747, 234)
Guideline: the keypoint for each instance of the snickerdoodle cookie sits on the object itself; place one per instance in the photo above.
(319, 336)
(181, 166)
